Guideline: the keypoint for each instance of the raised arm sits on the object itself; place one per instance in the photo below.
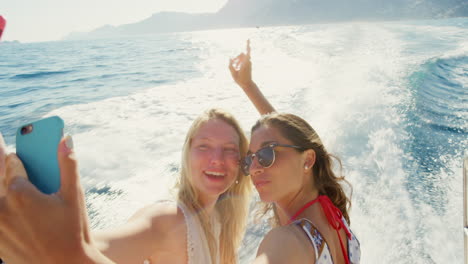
(241, 71)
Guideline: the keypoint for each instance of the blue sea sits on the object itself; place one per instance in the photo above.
(389, 98)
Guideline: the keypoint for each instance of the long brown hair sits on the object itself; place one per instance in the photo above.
(300, 133)
(232, 206)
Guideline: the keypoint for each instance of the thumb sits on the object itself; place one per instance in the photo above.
(69, 176)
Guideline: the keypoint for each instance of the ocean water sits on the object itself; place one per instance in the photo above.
(389, 98)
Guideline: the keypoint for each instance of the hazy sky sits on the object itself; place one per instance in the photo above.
(43, 20)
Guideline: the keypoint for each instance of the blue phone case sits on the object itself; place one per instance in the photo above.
(37, 149)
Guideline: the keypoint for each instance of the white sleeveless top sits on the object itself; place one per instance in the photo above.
(198, 250)
(197, 244)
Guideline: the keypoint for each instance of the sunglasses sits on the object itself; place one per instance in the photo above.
(265, 157)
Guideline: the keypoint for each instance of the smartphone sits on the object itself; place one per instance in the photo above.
(36, 146)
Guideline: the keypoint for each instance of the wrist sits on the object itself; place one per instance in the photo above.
(248, 85)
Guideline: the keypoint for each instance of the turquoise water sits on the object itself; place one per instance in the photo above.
(391, 99)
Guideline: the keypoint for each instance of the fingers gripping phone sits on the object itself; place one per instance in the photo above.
(36, 146)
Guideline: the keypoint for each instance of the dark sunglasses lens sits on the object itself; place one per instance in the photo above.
(245, 165)
(266, 156)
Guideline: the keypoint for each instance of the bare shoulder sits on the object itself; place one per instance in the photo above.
(285, 244)
(161, 216)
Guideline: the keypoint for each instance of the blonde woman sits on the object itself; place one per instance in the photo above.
(205, 225)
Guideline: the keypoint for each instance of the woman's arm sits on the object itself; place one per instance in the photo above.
(131, 243)
(55, 227)
(241, 71)
(148, 232)
(284, 245)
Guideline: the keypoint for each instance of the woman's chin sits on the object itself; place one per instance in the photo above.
(265, 197)
(215, 191)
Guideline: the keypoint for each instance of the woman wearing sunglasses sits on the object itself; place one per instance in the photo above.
(200, 228)
(292, 172)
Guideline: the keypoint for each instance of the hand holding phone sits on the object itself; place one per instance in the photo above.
(36, 146)
(51, 228)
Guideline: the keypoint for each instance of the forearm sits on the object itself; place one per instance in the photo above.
(86, 253)
(111, 246)
(257, 98)
(91, 255)
(100, 241)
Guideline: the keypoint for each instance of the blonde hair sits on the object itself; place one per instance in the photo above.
(232, 205)
(300, 133)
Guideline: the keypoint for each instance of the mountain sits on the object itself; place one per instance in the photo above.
(247, 13)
